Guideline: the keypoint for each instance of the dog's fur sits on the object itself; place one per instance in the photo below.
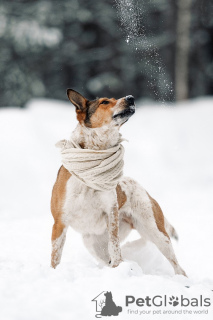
(105, 218)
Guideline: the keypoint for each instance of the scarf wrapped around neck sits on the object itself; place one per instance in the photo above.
(98, 169)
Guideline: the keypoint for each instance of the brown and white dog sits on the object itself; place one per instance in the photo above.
(104, 218)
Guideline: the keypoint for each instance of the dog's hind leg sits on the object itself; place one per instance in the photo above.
(149, 222)
(148, 219)
(163, 243)
(58, 239)
(152, 224)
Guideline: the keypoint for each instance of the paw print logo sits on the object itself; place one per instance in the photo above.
(173, 301)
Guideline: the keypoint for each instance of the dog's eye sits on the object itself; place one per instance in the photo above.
(105, 102)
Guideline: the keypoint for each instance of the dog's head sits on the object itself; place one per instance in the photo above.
(102, 111)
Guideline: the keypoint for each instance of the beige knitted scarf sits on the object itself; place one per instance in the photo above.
(98, 169)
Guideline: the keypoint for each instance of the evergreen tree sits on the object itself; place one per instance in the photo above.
(48, 45)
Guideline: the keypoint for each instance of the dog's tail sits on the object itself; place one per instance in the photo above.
(170, 229)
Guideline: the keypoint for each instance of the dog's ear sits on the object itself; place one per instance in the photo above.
(77, 99)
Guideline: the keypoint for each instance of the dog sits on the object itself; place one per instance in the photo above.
(105, 218)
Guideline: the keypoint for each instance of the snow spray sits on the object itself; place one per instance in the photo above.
(132, 15)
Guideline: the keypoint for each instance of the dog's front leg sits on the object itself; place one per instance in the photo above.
(58, 238)
(114, 242)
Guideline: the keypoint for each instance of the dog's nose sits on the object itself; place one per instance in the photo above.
(130, 100)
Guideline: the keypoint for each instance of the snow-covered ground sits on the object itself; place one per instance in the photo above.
(170, 152)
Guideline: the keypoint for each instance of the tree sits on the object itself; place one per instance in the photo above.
(49, 45)
(182, 49)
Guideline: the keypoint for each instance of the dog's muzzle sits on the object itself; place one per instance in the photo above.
(129, 109)
(130, 99)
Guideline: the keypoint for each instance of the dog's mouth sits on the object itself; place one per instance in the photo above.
(126, 113)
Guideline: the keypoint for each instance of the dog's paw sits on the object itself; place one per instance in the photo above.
(114, 264)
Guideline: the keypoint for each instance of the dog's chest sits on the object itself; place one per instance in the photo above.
(85, 209)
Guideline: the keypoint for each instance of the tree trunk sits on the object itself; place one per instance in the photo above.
(182, 49)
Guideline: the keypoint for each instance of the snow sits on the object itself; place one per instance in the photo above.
(169, 152)
(133, 16)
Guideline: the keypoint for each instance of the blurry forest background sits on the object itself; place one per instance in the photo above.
(48, 45)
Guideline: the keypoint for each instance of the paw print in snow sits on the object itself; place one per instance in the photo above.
(173, 301)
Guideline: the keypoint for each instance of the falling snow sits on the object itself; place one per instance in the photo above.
(132, 16)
